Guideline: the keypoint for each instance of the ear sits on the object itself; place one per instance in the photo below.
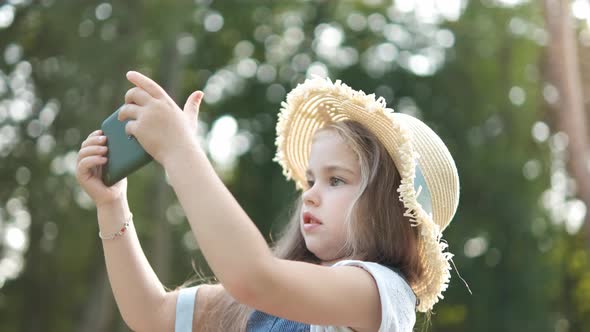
(193, 103)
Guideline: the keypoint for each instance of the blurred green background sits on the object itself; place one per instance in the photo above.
(487, 75)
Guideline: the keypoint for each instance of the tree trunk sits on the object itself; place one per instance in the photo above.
(569, 111)
(100, 309)
(162, 196)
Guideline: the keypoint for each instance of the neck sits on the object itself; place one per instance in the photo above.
(334, 261)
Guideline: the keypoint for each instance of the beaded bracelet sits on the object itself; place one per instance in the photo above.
(117, 233)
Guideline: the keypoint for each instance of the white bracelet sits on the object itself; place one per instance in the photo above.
(117, 233)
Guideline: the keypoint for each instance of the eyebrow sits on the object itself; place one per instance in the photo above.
(331, 168)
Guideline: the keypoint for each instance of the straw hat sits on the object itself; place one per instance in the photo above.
(429, 186)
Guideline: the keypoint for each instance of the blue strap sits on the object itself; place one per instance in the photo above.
(185, 305)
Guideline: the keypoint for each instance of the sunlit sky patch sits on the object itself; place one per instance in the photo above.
(432, 11)
(510, 3)
(225, 143)
(559, 199)
(6, 15)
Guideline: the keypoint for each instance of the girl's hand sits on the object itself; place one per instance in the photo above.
(91, 158)
(160, 126)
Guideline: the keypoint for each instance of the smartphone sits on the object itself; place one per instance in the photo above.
(125, 154)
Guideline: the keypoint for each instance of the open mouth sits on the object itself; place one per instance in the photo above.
(310, 219)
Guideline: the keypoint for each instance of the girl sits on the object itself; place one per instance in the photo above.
(363, 251)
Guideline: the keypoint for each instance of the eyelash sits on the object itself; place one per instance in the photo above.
(310, 183)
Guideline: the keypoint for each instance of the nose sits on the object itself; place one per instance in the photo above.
(311, 196)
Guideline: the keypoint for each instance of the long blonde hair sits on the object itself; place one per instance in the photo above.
(378, 231)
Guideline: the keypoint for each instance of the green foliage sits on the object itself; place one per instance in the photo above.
(74, 56)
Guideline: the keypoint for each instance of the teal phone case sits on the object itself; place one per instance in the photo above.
(125, 154)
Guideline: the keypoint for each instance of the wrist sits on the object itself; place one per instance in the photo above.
(119, 204)
(119, 232)
(181, 153)
(112, 215)
(193, 162)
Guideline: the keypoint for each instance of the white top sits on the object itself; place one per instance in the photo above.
(398, 302)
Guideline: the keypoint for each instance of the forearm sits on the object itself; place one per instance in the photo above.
(232, 244)
(137, 290)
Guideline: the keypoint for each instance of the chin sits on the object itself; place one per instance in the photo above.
(321, 255)
(313, 249)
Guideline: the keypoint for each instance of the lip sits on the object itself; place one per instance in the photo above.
(310, 221)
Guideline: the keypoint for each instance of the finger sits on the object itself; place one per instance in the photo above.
(193, 102)
(131, 128)
(95, 133)
(147, 84)
(129, 112)
(94, 140)
(137, 96)
(97, 171)
(91, 151)
(87, 164)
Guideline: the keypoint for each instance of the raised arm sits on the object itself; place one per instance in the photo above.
(234, 248)
(140, 296)
(142, 300)
(240, 258)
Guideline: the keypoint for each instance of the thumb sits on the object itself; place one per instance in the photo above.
(193, 103)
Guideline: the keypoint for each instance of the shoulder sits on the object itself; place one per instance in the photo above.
(384, 276)
(398, 301)
(190, 304)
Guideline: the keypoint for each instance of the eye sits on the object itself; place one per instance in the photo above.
(310, 183)
(335, 181)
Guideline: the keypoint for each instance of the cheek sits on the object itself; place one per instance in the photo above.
(341, 208)
(346, 198)
(344, 206)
